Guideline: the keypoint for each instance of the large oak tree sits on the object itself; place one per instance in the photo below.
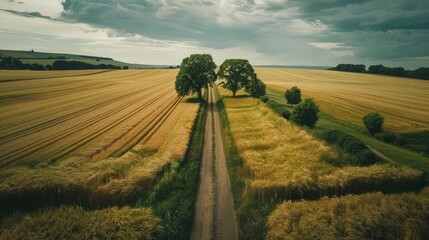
(196, 71)
(237, 73)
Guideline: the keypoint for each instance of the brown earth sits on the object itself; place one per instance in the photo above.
(215, 216)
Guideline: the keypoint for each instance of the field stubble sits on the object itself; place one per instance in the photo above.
(96, 139)
(403, 102)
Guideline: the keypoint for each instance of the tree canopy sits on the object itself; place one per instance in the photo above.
(255, 88)
(373, 122)
(238, 73)
(306, 113)
(293, 95)
(196, 71)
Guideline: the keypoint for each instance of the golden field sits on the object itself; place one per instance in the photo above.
(404, 102)
(94, 138)
(75, 223)
(283, 160)
(367, 216)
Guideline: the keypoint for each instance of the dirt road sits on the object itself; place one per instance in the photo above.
(214, 216)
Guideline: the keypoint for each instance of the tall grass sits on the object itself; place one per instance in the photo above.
(368, 216)
(76, 223)
(284, 161)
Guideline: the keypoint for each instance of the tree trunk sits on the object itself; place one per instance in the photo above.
(233, 93)
(200, 95)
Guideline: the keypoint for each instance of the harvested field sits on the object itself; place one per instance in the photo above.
(44, 120)
(284, 160)
(99, 138)
(404, 102)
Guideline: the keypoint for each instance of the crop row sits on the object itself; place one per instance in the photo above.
(59, 134)
(97, 148)
(284, 163)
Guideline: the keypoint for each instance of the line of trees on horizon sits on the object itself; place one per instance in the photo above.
(10, 63)
(420, 73)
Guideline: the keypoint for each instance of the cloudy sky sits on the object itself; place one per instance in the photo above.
(282, 32)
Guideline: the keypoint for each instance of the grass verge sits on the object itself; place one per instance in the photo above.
(328, 122)
(251, 213)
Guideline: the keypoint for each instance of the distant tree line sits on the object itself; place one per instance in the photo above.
(16, 64)
(359, 68)
(421, 73)
(75, 65)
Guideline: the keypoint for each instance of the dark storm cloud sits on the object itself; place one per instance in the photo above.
(377, 29)
(168, 20)
(27, 14)
(368, 30)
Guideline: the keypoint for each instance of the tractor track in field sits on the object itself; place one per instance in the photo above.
(41, 144)
(58, 120)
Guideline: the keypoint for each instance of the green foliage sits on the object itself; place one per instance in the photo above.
(360, 68)
(196, 71)
(238, 73)
(305, 113)
(293, 95)
(77, 65)
(125, 67)
(418, 142)
(356, 152)
(264, 98)
(278, 108)
(11, 63)
(256, 88)
(386, 137)
(373, 122)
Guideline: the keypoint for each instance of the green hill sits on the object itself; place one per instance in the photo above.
(30, 57)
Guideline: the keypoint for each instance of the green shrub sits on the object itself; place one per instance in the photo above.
(401, 141)
(373, 122)
(386, 137)
(417, 141)
(358, 154)
(279, 109)
(256, 88)
(305, 113)
(264, 98)
(293, 95)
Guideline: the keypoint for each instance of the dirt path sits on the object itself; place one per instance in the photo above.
(215, 216)
(382, 156)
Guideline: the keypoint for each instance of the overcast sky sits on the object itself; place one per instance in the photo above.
(281, 32)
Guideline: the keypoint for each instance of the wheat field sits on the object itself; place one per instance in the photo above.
(96, 138)
(404, 102)
(367, 216)
(77, 223)
(283, 160)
